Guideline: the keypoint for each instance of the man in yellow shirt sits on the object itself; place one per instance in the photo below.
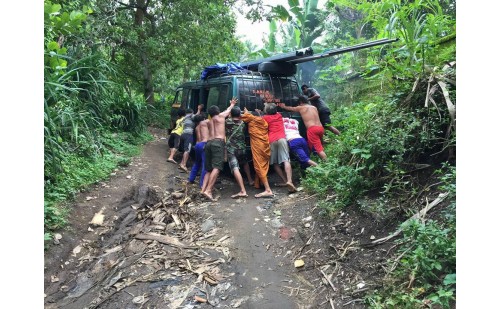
(175, 136)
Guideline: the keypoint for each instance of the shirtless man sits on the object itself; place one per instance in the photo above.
(201, 130)
(214, 149)
(314, 97)
(313, 125)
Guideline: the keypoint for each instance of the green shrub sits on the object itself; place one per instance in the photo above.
(426, 269)
(79, 171)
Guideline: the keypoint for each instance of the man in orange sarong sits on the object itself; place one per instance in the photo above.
(261, 152)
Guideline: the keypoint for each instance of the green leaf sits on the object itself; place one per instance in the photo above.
(76, 15)
(450, 279)
(293, 3)
(53, 46)
(272, 26)
(47, 236)
(65, 17)
(55, 8)
(62, 51)
(87, 9)
(280, 12)
(298, 12)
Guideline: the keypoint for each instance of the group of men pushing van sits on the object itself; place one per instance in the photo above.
(272, 138)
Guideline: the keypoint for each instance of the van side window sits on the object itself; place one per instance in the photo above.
(286, 90)
(178, 98)
(186, 95)
(218, 95)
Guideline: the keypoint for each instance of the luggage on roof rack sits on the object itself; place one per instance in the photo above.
(284, 64)
(221, 68)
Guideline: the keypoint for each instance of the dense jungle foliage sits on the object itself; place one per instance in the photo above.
(111, 68)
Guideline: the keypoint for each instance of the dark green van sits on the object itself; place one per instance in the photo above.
(251, 89)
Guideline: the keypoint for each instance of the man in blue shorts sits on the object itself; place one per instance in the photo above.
(298, 144)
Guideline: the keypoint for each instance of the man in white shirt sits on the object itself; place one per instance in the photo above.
(297, 144)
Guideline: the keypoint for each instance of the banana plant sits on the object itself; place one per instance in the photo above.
(305, 18)
(301, 26)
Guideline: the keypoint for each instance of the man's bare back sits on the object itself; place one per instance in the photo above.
(202, 132)
(309, 114)
(210, 127)
(219, 124)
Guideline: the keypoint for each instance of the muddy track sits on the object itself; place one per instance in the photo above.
(85, 270)
(160, 245)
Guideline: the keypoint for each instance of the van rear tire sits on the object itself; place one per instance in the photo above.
(278, 68)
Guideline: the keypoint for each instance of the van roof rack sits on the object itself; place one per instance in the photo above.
(298, 56)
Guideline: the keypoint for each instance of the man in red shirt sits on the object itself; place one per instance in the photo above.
(279, 145)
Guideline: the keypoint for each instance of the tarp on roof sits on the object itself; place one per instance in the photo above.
(220, 68)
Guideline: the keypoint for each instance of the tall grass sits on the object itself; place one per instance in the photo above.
(83, 105)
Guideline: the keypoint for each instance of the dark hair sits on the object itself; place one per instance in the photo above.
(235, 112)
(304, 86)
(213, 110)
(181, 112)
(189, 111)
(302, 99)
(198, 118)
(270, 109)
(255, 113)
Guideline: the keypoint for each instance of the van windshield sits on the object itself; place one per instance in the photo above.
(254, 91)
(218, 95)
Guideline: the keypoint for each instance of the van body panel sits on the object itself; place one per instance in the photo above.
(251, 90)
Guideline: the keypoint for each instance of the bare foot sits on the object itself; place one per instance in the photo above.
(209, 196)
(171, 161)
(264, 195)
(182, 167)
(291, 187)
(238, 195)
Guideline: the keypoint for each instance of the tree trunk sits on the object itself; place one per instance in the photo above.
(147, 75)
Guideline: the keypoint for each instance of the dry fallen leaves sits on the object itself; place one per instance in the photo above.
(98, 218)
(299, 263)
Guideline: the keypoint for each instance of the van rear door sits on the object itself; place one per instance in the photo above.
(180, 100)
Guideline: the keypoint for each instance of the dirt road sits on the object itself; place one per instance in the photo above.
(155, 243)
(255, 270)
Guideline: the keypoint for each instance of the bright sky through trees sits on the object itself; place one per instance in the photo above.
(256, 31)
